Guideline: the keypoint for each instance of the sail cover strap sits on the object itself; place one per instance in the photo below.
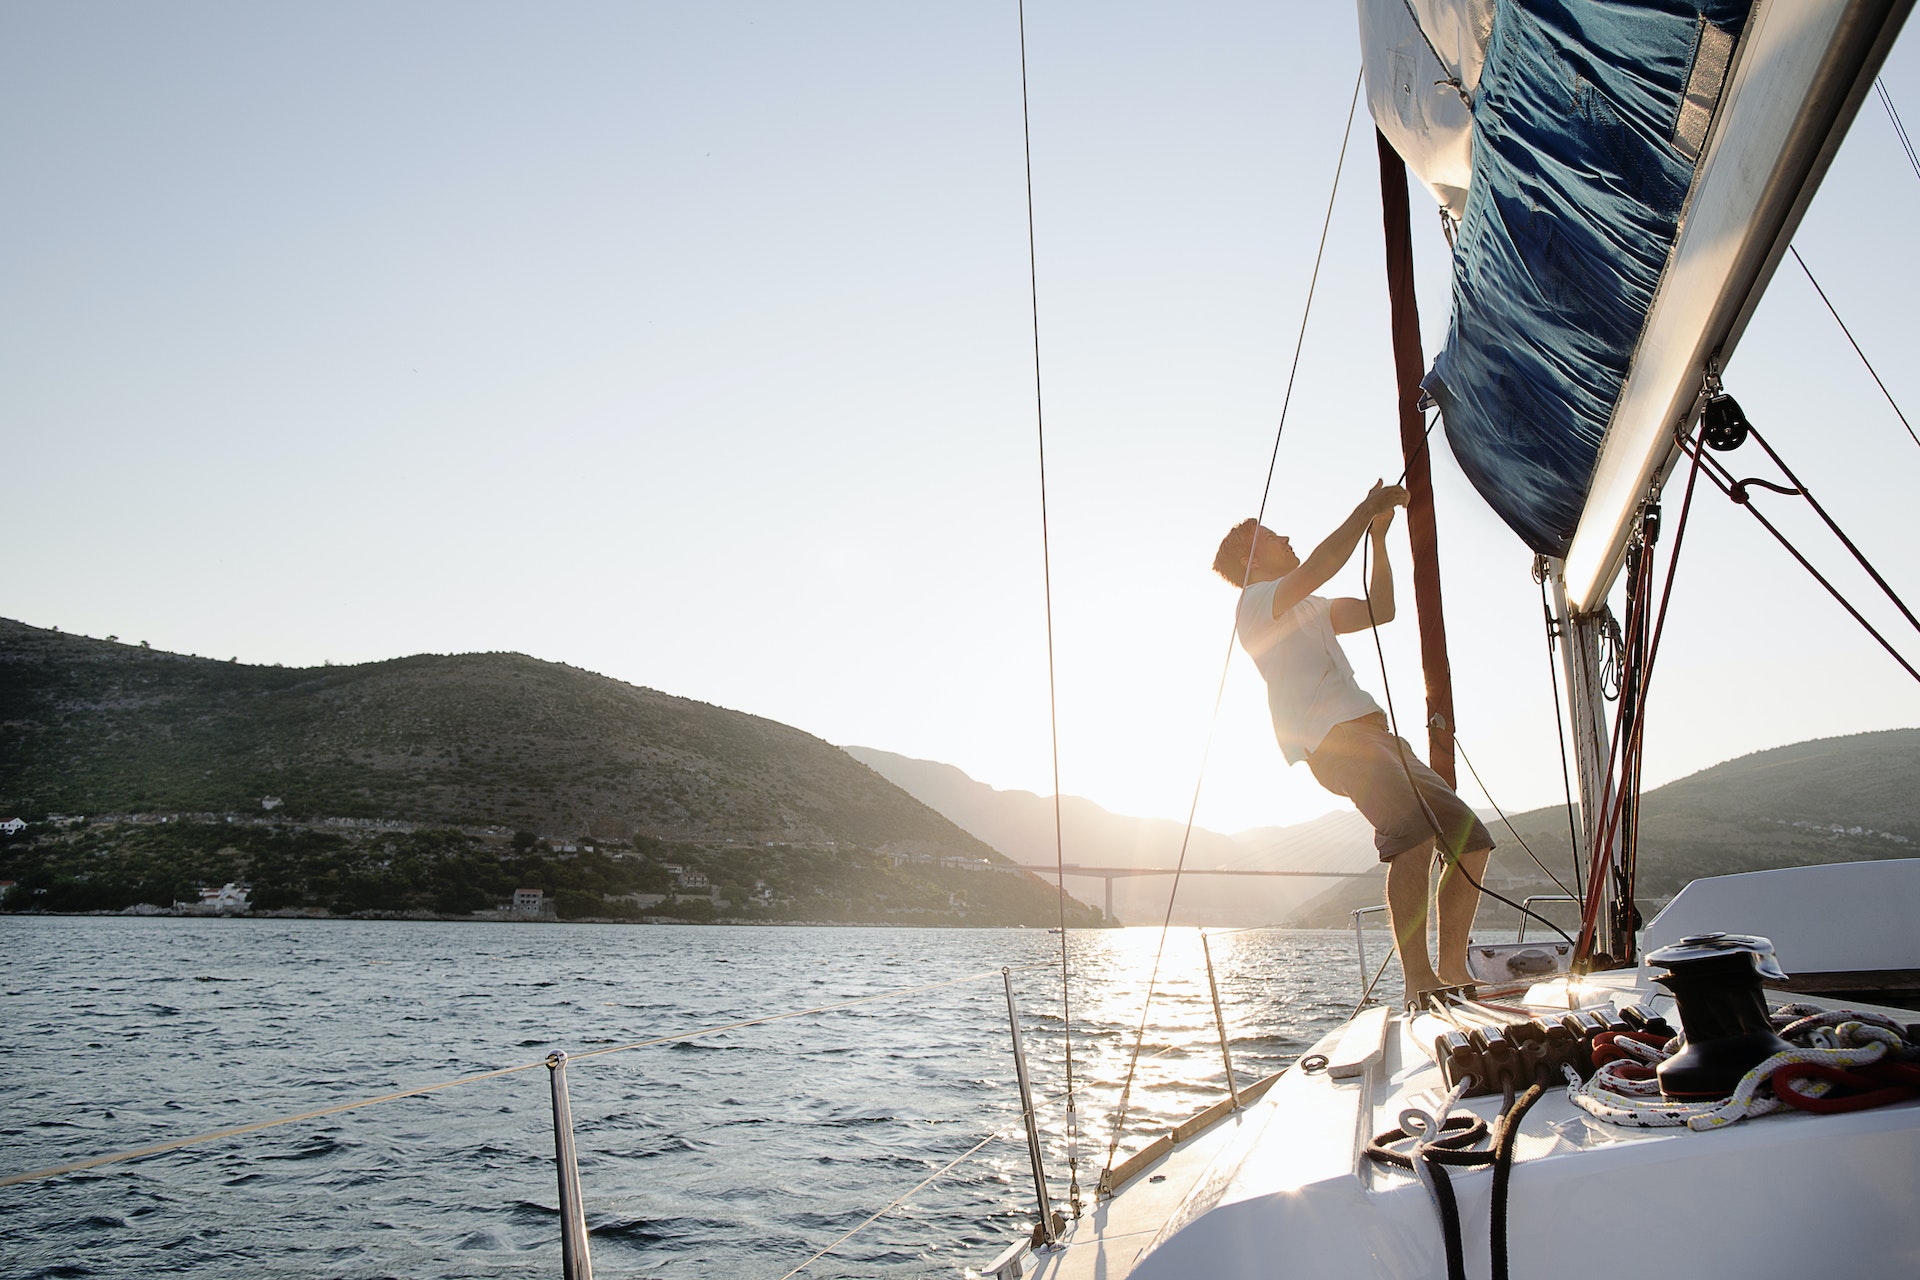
(1587, 124)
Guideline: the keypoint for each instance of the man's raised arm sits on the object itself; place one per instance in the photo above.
(1334, 552)
(1377, 608)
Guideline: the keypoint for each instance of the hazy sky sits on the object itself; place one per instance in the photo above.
(690, 344)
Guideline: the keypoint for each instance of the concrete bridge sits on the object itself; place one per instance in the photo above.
(1110, 874)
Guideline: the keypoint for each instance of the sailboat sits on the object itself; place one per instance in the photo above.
(1619, 184)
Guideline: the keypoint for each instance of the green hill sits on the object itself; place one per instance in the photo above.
(1848, 799)
(431, 764)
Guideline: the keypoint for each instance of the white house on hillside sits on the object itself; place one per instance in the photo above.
(229, 899)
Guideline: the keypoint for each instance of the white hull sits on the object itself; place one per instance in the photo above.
(1285, 1188)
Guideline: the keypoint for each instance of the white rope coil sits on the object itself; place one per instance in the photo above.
(1615, 1099)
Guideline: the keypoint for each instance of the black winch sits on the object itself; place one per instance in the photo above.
(1715, 981)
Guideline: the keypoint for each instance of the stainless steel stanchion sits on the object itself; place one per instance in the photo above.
(1220, 1021)
(575, 1262)
(1048, 1231)
(1360, 945)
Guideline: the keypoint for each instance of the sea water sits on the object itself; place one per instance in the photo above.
(734, 1154)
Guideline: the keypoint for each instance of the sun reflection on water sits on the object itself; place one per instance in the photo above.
(1274, 1001)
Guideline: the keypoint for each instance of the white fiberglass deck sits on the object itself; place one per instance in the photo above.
(1284, 1189)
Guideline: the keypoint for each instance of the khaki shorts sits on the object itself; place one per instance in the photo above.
(1363, 761)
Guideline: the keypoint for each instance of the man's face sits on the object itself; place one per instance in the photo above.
(1273, 554)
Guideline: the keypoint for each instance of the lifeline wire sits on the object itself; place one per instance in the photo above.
(1871, 371)
(923, 1184)
(1046, 571)
(35, 1175)
(918, 1187)
(1219, 695)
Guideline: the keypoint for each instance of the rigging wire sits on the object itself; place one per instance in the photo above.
(1426, 436)
(1193, 808)
(1871, 371)
(1737, 490)
(1613, 807)
(1906, 143)
(1560, 726)
(1508, 822)
(1046, 568)
(1624, 744)
(1393, 724)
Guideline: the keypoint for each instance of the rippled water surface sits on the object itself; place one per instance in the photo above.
(737, 1154)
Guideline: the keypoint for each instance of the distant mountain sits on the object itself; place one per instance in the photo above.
(1847, 799)
(1020, 824)
(488, 743)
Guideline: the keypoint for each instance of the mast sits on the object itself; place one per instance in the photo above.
(1410, 365)
(1581, 636)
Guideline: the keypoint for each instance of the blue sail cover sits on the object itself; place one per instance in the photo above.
(1580, 169)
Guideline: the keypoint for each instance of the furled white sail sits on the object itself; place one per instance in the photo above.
(1423, 60)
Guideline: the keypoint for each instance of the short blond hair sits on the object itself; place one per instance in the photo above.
(1231, 561)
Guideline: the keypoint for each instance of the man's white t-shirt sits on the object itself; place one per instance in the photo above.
(1310, 684)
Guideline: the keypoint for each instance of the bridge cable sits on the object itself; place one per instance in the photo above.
(1193, 808)
(1046, 571)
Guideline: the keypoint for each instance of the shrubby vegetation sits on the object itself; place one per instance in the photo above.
(439, 759)
(94, 727)
(113, 866)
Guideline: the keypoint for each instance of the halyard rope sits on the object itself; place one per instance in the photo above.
(1615, 1097)
(1226, 663)
(1626, 1091)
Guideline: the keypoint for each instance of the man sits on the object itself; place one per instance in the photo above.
(1321, 715)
